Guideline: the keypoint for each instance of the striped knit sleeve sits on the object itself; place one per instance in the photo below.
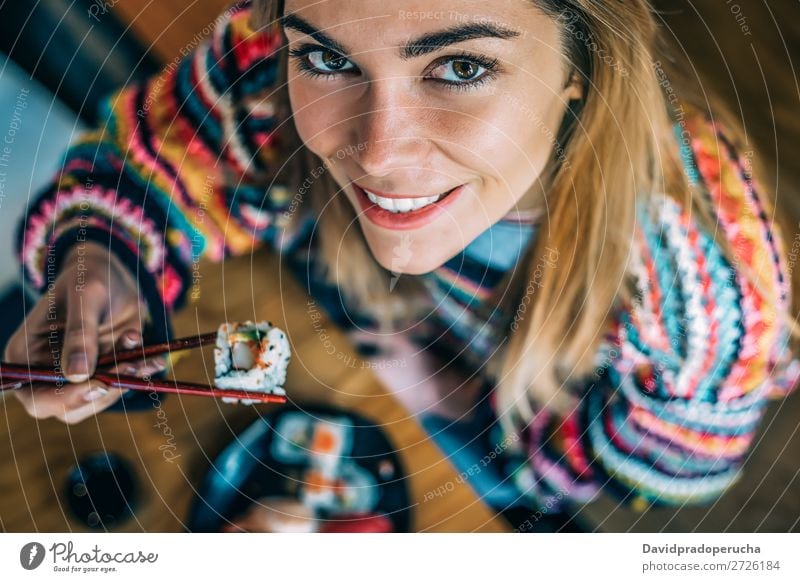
(690, 364)
(178, 171)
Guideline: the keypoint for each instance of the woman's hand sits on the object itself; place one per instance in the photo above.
(93, 305)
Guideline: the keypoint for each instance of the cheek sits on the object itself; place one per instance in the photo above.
(513, 141)
(316, 117)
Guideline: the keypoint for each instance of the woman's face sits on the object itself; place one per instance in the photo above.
(435, 123)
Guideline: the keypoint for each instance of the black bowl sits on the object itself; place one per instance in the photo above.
(101, 491)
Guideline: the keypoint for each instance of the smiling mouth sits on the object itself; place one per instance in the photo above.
(399, 205)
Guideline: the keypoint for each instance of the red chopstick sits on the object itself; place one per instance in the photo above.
(141, 352)
(23, 375)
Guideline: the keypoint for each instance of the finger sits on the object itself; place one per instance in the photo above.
(29, 349)
(151, 366)
(41, 400)
(47, 400)
(28, 344)
(76, 415)
(140, 368)
(112, 344)
(84, 310)
(131, 338)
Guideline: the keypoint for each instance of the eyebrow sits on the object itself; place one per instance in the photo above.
(420, 46)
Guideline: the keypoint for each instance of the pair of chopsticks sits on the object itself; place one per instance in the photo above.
(22, 375)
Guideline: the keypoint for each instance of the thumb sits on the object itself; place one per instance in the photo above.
(81, 335)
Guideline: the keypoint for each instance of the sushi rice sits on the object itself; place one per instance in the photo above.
(251, 356)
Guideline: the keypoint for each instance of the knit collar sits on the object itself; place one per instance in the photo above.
(460, 323)
(470, 276)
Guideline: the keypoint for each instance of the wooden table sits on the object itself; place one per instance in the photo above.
(36, 456)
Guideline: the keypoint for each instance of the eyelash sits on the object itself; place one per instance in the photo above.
(491, 67)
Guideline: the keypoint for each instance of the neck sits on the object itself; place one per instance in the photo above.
(532, 204)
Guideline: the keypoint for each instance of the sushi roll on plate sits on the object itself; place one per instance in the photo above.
(251, 356)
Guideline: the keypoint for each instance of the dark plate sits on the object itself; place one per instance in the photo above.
(247, 470)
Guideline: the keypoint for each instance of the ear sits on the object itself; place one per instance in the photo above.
(573, 90)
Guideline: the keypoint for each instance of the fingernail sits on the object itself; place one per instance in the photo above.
(77, 369)
(94, 394)
(132, 339)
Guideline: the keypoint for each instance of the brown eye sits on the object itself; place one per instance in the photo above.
(464, 70)
(332, 60)
(327, 61)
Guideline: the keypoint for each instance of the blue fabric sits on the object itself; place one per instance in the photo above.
(474, 448)
(501, 246)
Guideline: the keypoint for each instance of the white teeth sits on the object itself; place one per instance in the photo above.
(403, 204)
(400, 205)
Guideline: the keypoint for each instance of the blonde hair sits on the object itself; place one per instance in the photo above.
(620, 146)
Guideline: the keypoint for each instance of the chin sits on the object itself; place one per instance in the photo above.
(416, 269)
(394, 259)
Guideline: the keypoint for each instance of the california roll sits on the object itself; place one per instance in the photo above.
(251, 356)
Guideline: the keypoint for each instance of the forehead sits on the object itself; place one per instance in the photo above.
(396, 21)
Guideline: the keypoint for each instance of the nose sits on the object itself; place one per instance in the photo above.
(390, 124)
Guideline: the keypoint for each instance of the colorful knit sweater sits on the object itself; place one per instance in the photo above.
(686, 371)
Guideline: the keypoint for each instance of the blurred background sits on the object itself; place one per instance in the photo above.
(59, 57)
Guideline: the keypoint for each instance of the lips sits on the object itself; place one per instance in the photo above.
(403, 212)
